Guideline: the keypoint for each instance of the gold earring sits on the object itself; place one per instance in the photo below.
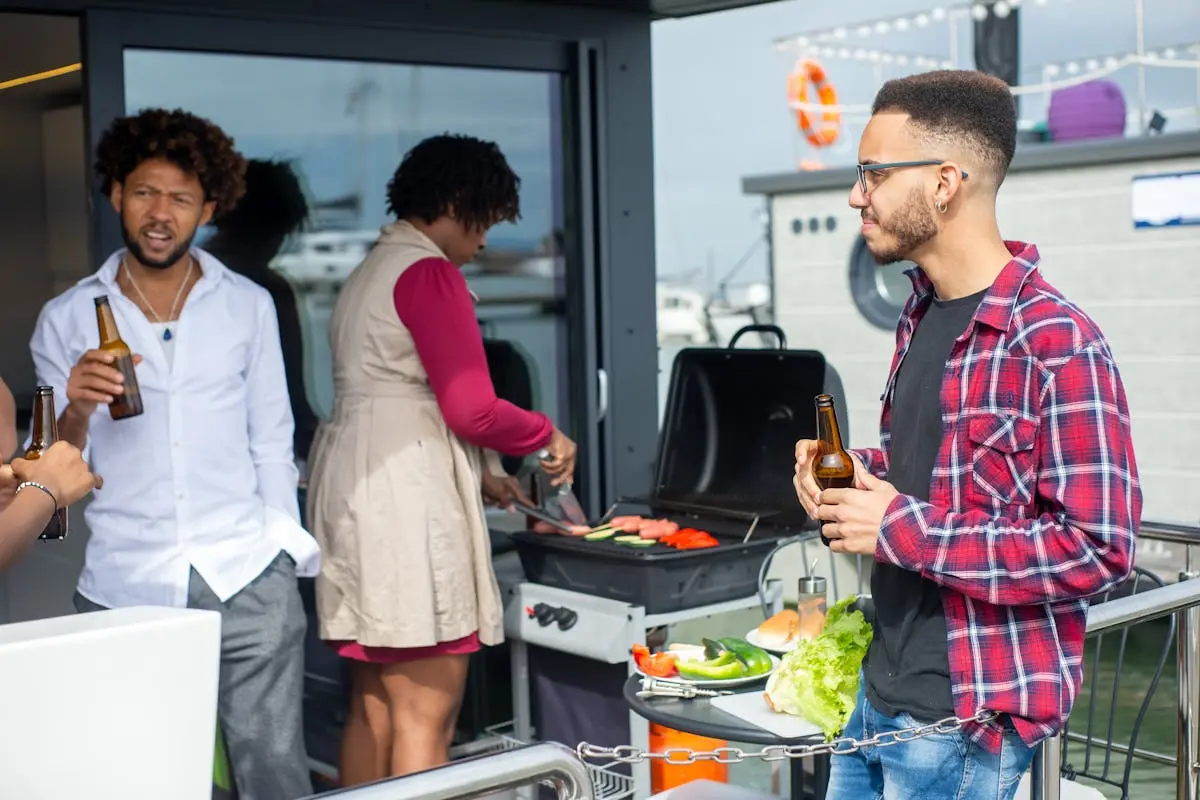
(941, 207)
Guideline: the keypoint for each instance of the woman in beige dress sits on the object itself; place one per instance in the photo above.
(401, 470)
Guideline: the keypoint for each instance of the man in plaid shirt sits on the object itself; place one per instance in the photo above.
(1005, 491)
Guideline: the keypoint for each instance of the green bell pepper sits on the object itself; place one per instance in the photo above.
(724, 667)
(757, 660)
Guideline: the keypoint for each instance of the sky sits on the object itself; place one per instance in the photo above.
(720, 108)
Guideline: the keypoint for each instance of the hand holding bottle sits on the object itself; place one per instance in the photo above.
(61, 469)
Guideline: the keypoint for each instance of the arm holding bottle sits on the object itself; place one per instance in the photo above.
(807, 491)
(58, 479)
(89, 381)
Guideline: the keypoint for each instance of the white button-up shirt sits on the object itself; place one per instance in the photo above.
(204, 478)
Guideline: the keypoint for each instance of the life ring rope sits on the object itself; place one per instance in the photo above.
(808, 72)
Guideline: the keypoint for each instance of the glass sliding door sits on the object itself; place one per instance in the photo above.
(335, 130)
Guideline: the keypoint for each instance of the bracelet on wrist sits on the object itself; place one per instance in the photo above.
(37, 485)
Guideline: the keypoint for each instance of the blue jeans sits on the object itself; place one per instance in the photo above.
(944, 766)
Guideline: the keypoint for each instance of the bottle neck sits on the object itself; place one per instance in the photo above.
(45, 426)
(827, 428)
(107, 324)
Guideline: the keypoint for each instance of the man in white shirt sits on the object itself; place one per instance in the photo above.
(199, 507)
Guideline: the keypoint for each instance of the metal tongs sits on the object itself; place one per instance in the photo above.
(656, 687)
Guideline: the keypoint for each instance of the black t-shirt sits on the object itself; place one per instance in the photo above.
(907, 668)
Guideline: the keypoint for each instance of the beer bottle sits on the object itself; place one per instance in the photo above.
(128, 403)
(832, 467)
(45, 433)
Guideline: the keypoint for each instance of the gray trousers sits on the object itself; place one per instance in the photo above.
(262, 680)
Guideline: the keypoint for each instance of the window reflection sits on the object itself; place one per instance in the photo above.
(338, 129)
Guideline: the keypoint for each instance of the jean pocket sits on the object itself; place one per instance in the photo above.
(1015, 758)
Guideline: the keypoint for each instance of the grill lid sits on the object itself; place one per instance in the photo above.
(732, 420)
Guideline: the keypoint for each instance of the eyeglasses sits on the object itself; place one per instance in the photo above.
(871, 169)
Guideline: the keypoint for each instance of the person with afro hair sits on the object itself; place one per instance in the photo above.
(200, 507)
(402, 469)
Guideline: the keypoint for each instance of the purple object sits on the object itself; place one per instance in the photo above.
(1092, 110)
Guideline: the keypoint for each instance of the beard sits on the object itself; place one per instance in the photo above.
(907, 228)
(165, 262)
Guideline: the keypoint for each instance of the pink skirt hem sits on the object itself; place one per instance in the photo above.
(396, 655)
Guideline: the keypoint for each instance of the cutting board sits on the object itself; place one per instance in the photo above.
(752, 707)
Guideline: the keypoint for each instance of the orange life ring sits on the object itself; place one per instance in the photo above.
(808, 71)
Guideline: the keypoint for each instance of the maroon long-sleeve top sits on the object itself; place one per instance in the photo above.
(434, 303)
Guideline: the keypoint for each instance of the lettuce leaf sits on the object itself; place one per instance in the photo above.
(819, 679)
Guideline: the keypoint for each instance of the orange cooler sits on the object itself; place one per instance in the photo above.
(665, 775)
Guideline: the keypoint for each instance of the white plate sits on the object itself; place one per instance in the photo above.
(729, 682)
(752, 637)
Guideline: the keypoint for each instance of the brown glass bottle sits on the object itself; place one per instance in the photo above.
(45, 433)
(832, 467)
(128, 403)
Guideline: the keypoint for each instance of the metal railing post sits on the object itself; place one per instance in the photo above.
(1187, 647)
(1044, 774)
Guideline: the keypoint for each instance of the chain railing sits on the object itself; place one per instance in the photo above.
(625, 754)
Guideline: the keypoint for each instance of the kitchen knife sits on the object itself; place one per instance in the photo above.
(560, 496)
(568, 503)
(538, 514)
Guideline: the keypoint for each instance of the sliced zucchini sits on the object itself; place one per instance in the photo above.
(629, 538)
(598, 536)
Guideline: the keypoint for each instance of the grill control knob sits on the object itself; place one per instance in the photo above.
(566, 619)
(545, 614)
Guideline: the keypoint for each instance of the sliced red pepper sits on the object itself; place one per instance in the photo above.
(658, 665)
(641, 654)
(661, 665)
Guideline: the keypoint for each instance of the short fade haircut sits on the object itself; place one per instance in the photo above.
(195, 145)
(454, 172)
(963, 107)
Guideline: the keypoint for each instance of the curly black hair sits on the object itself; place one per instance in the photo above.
(455, 173)
(963, 107)
(274, 202)
(191, 143)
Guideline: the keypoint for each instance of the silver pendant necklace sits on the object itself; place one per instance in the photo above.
(167, 335)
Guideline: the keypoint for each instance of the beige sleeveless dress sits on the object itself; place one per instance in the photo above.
(394, 498)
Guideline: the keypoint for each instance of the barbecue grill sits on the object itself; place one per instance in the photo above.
(724, 464)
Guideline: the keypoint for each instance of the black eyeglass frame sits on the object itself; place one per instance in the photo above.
(863, 169)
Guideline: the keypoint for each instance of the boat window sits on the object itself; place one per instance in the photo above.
(879, 291)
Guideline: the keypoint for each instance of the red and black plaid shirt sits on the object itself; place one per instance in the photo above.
(1034, 498)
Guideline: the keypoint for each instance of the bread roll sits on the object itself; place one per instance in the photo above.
(780, 630)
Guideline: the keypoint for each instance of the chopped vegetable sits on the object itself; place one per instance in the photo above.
(757, 660)
(597, 536)
(689, 539)
(657, 665)
(819, 679)
(725, 666)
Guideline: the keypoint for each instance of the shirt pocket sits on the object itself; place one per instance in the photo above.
(1003, 459)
